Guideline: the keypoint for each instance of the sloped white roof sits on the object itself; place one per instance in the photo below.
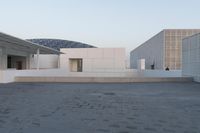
(12, 41)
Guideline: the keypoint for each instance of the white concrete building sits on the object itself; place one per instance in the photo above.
(191, 57)
(163, 50)
(93, 59)
(22, 58)
(17, 54)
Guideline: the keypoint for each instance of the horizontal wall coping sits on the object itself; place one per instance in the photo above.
(102, 79)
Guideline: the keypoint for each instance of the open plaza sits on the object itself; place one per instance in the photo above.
(100, 108)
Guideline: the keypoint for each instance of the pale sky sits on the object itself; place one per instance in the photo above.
(102, 23)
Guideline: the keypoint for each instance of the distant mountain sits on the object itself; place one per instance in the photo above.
(57, 43)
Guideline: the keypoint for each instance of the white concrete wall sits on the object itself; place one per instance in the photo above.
(45, 61)
(125, 73)
(159, 73)
(152, 51)
(141, 64)
(65, 73)
(1, 58)
(95, 59)
(42, 73)
(7, 76)
(191, 57)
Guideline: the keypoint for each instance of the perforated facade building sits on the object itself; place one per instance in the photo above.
(163, 50)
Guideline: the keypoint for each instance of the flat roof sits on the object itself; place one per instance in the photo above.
(28, 46)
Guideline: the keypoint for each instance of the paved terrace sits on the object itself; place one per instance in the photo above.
(100, 108)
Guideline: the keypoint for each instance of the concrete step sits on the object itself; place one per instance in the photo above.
(102, 79)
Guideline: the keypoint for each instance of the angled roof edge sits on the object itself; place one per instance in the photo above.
(44, 48)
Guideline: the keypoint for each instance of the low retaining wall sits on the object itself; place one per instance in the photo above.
(101, 79)
(111, 73)
(7, 76)
(60, 75)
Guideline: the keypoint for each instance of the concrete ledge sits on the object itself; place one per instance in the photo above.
(102, 79)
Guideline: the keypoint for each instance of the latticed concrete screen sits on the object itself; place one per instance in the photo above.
(163, 50)
(173, 46)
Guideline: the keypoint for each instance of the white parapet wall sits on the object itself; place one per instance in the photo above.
(159, 73)
(124, 73)
(8, 76)
(65, 73)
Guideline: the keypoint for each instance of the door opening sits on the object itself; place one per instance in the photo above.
(76, 65)
(19, 65)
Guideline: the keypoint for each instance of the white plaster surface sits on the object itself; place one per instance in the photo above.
(152, 51)
(141, 64)
(7, 76)
(95, 59)
(45, 61)
(191, 57)
(163, 50)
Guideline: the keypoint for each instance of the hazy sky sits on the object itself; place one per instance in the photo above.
(103, 23)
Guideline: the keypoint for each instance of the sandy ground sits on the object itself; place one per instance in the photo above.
(100, 108)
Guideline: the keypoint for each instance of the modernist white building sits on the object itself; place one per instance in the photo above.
(84, 60)
(17, 54)
(191, 57)
(93, 59)
(163, 50)
(23, 58)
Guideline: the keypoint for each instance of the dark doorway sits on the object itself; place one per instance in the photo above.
(16, 62)
(19, 65)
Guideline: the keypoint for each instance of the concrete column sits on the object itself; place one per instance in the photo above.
(1, 58)
(38, 62)
(28, 61)
(59, 61)
(4, 59)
